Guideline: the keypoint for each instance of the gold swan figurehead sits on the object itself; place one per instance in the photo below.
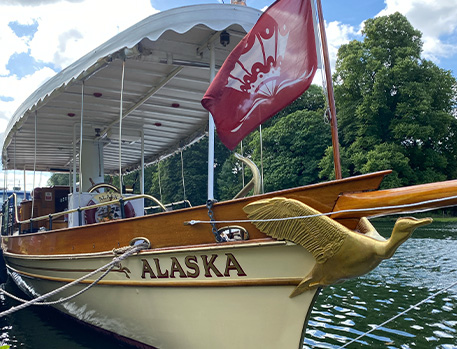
(340, 253)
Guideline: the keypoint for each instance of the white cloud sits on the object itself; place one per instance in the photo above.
(20, 89)
(434, 18)
(338, 34)
(66, 31)
(10, 44)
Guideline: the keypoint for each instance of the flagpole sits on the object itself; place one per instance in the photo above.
(331, 98)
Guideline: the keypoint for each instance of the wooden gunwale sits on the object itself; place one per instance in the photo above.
(167, 229)
(417, 197)
(287, 281)
(267, 241)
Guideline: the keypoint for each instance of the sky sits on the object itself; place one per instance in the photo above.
(39, 38)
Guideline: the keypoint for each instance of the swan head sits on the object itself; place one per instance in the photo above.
(405, 226)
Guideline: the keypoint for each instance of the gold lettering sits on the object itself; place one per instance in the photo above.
(210, 265)
(191, 263)
(232, 264)
(160, 274)
(147, 269)
(176, 267)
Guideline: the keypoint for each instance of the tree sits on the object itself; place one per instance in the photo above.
(294, 141)
(394, 108)
(59, 179)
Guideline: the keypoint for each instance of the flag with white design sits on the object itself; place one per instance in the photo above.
(270, 68)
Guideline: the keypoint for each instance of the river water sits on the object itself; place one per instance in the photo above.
(422, 266)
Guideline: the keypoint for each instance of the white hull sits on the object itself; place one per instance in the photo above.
(231, 310)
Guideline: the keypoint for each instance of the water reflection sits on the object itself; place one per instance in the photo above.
(43, 327)
(422, 266)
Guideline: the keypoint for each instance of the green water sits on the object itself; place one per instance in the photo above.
(422, 266)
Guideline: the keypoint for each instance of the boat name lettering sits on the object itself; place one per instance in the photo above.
(192, 267)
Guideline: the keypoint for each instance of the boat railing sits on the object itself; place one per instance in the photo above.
(171, 205)
(12, 213)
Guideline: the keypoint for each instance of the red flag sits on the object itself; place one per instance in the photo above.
(271, 67)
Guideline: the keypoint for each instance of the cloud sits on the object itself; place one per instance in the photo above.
(63, 31)
(436, 19)
(19, 89)
(34, 3)
(338, 34)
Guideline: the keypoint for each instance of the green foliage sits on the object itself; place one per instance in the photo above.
(294, 141)
(394, 108)
(59, 179)
(293, 149)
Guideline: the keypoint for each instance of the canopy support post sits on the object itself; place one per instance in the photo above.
(120, 128)
(81, 145)
(212, 73)
(74, 158)
(242, 163)
(182, 175)
(142, 163)
(261, 158)
(34, 165)
(160, 184)
(14, 166)
(25, 184)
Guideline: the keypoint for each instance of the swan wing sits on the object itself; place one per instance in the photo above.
(320, 235)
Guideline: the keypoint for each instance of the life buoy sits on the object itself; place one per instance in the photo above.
(108, 212)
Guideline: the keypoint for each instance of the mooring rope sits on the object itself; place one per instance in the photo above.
(193, 222)
(399, 314)
(109, 266)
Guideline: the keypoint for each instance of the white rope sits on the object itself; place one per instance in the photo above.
(61, 300)
(193, 222)
(398, 315)
(37, 301)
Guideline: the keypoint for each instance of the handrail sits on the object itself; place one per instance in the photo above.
(170, 204)
(84, 208)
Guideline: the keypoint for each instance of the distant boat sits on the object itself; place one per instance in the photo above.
(133, 101)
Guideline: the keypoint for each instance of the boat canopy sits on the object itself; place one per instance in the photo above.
(166, 61)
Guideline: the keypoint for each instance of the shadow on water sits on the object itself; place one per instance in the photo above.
(44, 327)
(422, 266)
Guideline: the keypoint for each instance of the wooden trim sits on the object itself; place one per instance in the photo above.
(193, 283)
(266, 242)
(330, 95)
(167, 229)
(386, 200)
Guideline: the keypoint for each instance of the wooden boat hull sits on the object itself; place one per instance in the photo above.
(187, 289)
(243, 294)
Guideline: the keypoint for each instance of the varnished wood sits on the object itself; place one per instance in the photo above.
(383, 201)
(192, 283)
(167, 229)
(330, 95)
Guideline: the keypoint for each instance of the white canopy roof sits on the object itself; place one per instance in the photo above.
(166, 74)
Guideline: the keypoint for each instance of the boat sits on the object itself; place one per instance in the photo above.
(238, 273)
